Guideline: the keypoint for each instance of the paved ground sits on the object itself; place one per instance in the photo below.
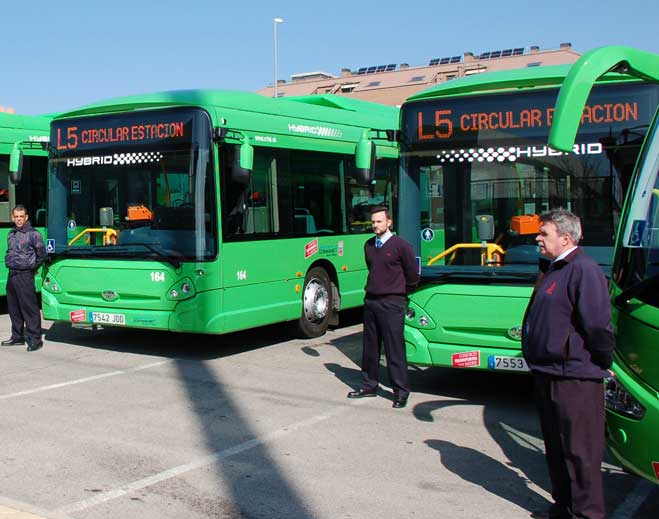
(125, 423)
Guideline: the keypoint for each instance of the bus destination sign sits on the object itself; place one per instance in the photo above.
(111, 131)
(472, 118)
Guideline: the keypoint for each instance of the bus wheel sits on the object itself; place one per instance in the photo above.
(316, 304)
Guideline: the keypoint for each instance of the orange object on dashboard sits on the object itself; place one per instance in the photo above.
(526, 224)
(139, 212)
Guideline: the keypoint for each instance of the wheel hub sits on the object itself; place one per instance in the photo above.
(316, 301)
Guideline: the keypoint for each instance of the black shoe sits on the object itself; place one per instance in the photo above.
(34, 346)
(399, 403)
(361, 393)
(13, 342)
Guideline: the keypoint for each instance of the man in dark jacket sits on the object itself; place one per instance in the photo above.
(25, 253)
(392, 274)
(568, 344)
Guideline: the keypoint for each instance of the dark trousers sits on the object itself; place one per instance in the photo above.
(383, 325)
(572, 420)
(23, 307)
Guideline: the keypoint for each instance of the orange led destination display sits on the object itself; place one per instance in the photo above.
(445, 121)
(119, 131)
(71, 137)
(527, 114)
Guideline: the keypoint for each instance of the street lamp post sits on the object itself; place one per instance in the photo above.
(276, 22)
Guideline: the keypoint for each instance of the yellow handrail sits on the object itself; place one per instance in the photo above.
(109, 236)
(491, 249)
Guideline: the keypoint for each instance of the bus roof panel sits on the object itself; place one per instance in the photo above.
(326, 108)
(528, 77)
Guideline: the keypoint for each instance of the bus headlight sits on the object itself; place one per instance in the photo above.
(182, 289)
(621, 401)
(416, 317)
(51, 285)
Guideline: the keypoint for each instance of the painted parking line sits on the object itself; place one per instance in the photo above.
(12, 509)
(82, 380)
(205, 460)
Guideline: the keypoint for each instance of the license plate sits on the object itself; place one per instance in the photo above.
(507, 363)
(106, 318)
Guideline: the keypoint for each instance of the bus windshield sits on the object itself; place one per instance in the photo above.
(484, 171)
(137, 185)
(636, 266)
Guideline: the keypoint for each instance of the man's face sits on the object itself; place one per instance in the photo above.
(380, 223)
(19, 218)
(552, 244)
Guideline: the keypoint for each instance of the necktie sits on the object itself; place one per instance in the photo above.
(378, 243)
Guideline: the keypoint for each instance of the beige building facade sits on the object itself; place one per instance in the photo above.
(393, 83)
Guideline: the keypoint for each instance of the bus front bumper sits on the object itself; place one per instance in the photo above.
(421, 352)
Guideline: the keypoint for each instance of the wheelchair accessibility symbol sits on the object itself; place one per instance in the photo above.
(636, 236)
(50, 246)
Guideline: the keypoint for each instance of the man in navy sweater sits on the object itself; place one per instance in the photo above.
(568, 342)
(392, 274)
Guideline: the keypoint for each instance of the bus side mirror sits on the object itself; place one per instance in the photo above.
(16, 164)
(365, 160)
(247, 156)
(242, 168)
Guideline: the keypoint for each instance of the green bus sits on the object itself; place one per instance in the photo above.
(214, 211)
(632, 396)
(476, 172)
(31, 132)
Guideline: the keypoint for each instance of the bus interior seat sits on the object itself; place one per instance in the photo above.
(304, 221)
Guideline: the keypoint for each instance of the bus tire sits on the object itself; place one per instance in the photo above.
(317, 304)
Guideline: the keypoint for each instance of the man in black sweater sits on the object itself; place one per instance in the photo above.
(568, 344)
(392, 274)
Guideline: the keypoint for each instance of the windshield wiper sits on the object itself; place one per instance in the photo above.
(493, 274)
(170, 256)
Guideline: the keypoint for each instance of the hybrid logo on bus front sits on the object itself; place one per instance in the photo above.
(513, 153)
(116, 159)
(320, 131)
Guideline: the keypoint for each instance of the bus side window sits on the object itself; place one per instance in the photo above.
(316, 193)
(250, 208)
(4, 189)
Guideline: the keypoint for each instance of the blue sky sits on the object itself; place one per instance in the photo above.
(63, 54)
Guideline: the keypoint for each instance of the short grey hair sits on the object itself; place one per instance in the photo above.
(566, 222)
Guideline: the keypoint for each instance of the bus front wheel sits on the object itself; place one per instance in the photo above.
(316, 304)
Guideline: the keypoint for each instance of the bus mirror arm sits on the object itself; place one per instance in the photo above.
(579, 81)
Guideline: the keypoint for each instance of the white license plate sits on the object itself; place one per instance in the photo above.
(106, 318)
(508, 363)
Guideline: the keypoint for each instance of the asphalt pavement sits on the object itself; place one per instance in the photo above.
(130, 423)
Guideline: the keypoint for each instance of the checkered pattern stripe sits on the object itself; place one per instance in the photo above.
(499, 154)
(120, 159)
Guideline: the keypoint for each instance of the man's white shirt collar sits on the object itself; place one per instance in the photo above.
(564, 254)
(383, 239)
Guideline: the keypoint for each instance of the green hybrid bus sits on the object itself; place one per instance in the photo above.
(214, 211)
(632, 396)
(29, 134)
(476, 172)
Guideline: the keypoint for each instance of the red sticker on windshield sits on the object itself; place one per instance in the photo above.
(655, 466)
